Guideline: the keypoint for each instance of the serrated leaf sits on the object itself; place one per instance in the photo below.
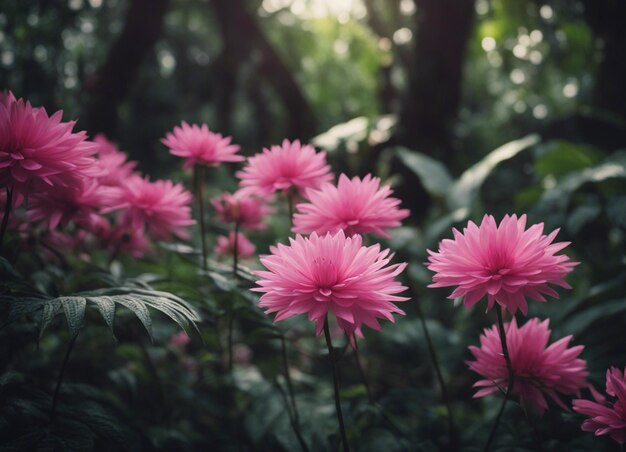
(20, 307)
(47, 314)
(138, 308)
(74, 309)
(106, 307)
(465, 189)
(431, 172)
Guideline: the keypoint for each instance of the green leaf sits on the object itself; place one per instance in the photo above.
(106, 307)
(557, 198)
(432, 173)
(562, 157)
(465, 190)
(74, 309)
(48, 312)
(138, 308)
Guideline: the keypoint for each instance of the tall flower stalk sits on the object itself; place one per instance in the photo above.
(510, 383)
(5, 216)
(331, 354)
(198, 176)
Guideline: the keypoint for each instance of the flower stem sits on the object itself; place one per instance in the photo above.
(5, 217)
(57, 390)
(331, 354)
(511, 382)
(289, 195)
(236, 248)
(231, 318)
(198, 175)
(442, 384)
(357, 358)
(293, 413)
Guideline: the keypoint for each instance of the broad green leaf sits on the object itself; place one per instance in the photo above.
(47, 314)
(585, 318)
(138, 308)
(432, 173)
(557, 198)
(562, 157)
(106, 307)
(74, 308)
(465, 190)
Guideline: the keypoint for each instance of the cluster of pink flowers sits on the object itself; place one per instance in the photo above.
(79, 191)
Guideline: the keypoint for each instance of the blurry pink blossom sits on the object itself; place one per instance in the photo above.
(226, 246)
(606, 417)
(247, 210)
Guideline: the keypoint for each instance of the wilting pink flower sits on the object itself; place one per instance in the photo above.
(38, 151)
(540, 370)
(160, 206)
(607, 418)
(318, 274)
(507, 263)
(283, 167)
(179, 340)
(226, 246)
(354, 205)
(124, 239)
(61, 205)
(114, 164)
(243, 208)
(199, 146)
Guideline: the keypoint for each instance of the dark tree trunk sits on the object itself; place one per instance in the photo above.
(606, 19)
(112, 83)
(243, 39)
(443, 28)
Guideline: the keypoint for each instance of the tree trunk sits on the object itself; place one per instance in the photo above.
(111, 85)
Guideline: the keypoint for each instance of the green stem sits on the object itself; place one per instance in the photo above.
(331, 354)
(511, 382)
(442, 385)
(293, 413)
(236, 248)
(57, 390)
(289, 195)
(231, 318)
(357, 358)
(5, 217)
(198, 175)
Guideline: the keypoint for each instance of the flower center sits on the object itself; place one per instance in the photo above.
(325, 277)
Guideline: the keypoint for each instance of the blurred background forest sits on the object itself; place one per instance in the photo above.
(466, 107)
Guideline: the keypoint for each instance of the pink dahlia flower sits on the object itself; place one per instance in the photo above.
(37, 150)
(607, 418)
(179, 340)
(199, 146)
(61, 205)
(113, 163)
(539, 369)
(124, 239)
(354, 205)
(283, 167)
(322, 273)
(508, 263)
(243, 208)
(226, 246)
(162, 207)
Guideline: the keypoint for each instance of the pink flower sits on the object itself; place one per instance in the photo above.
(318, 274)
(243, 208)
(38, 151)
(356, 206)
(607, 418)
(284, 167)
(113, 163)
(160, 206)
(226, 245)
(179, 340)
(539, 371)
(124, 239)
(61, 205)
(507, 263)
(199, 146)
